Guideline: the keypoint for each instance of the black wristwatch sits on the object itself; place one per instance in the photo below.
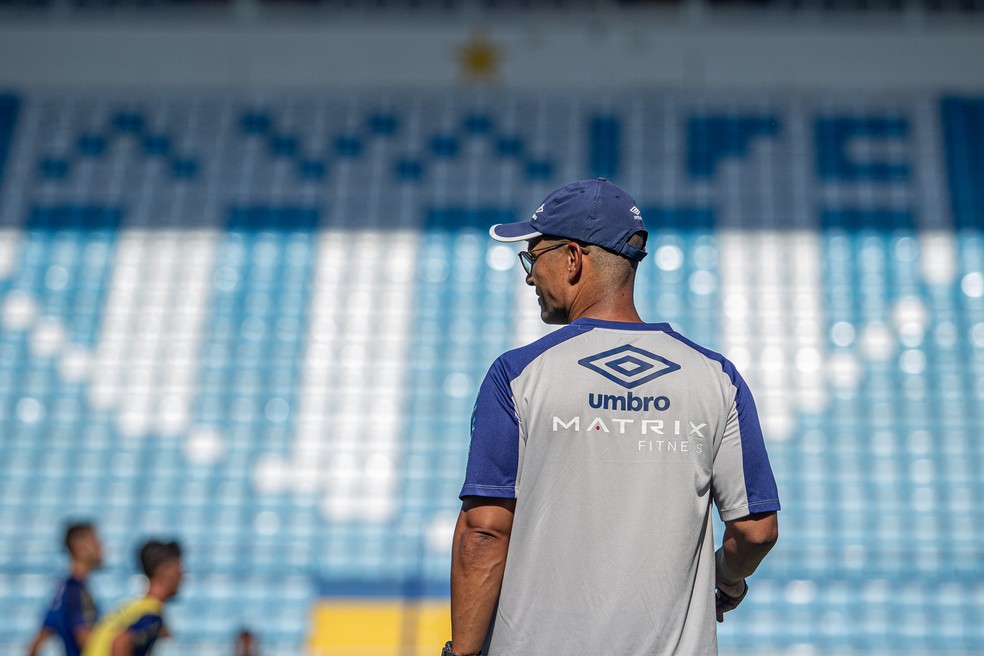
(447, 650)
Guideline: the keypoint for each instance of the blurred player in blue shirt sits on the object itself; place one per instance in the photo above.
(73, 612)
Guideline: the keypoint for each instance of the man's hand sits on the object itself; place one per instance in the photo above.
(727, 597)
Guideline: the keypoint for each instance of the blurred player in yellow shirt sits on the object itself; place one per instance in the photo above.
(133, 628)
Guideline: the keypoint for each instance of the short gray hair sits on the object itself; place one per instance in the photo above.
(616, 268)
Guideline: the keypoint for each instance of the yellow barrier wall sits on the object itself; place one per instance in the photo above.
(387, 627)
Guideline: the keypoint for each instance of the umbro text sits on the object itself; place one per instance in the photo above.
(630, 402)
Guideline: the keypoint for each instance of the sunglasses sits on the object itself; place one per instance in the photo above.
(527, 258)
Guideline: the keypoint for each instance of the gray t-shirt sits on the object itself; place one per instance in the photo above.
(614, 438)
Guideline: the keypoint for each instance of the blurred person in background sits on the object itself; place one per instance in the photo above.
(596, 454)
(133, 628)
(73, 612)
(246, 644)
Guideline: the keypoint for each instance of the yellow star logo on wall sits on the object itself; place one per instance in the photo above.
(479, 60)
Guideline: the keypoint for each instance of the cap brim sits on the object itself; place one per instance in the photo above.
(514, 231)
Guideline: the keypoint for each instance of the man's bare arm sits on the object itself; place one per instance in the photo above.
(123, 644)
(478, 560)
(746, 543)
(43, 633)
(82, 634)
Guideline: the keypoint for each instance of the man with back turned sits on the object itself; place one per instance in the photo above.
(596, 454)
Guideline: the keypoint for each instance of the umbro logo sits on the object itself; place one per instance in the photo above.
(629, 366)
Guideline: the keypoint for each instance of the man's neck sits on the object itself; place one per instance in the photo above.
(80, 571)
(156, 592)
(618, 305)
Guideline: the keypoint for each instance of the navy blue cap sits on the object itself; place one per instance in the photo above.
(593, 211)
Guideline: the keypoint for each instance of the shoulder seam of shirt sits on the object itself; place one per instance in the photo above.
(727, 367)
(514, 362)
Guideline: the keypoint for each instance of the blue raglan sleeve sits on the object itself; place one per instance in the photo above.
(53, 613)
(75, 607)
(145, 632)
(50, 619)
(493, 458)
(743, 482)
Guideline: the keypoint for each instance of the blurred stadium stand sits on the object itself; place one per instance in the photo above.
(259, 324)
(256, 320)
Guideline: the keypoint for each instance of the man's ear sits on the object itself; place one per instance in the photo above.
(575, 263)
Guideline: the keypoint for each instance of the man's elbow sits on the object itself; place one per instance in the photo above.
(478, 545)
(483, 531)
(761, 533)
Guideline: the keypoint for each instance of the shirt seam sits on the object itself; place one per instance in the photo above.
(489, 487)
(750, 504)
